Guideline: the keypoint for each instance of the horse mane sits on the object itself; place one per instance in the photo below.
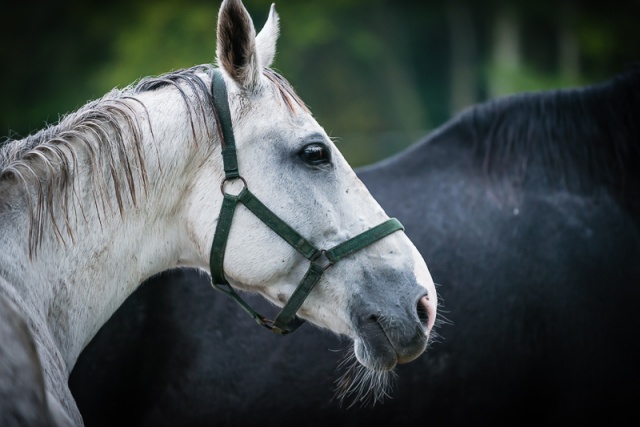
(582, 138)
(45, 162)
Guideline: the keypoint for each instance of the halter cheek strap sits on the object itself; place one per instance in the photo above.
(319, 259)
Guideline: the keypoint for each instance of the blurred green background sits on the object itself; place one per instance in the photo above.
(377, 74)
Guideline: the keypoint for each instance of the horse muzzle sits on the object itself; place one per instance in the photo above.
(393, 334)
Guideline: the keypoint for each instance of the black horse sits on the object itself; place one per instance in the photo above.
(526, 210)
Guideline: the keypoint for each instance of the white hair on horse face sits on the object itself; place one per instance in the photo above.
(361, 385)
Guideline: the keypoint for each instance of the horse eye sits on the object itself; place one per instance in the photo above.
(315, 154)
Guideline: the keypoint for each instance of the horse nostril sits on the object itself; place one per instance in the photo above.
(374, 318)
(423, 311)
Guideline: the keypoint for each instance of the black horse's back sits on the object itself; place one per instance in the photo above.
(525, 210)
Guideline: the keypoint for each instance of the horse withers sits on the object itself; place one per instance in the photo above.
(527, 211)
(146, 178)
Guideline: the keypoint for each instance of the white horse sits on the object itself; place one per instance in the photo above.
(129, 186)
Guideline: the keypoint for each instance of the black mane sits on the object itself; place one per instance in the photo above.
(583, 138)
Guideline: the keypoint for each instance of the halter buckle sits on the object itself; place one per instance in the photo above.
(322, 260)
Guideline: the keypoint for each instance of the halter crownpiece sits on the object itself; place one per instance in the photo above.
(319, 259)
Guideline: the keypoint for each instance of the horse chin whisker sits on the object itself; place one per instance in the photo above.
(363, 386)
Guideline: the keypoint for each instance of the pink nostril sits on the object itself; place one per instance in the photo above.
(424, 313)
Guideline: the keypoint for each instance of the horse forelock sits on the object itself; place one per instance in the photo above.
(585, 137)
(286, 91)
(107, 134)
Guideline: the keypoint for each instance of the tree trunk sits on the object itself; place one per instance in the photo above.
(462, 57)
(505, 63)
(569, 48)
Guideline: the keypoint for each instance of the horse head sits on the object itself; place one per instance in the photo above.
(382, 295)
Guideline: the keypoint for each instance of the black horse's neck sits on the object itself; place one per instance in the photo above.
(583, 138)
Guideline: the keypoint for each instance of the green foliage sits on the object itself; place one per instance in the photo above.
(510, 80)
(165, 36)
(376, 73)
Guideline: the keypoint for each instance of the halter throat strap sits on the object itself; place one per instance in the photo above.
(319, 259)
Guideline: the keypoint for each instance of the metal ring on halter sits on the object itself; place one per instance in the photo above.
(224, 181)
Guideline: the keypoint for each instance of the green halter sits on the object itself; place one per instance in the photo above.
(320, 259)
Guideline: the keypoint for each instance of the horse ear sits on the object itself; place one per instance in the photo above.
(266, 39)
(236, 50)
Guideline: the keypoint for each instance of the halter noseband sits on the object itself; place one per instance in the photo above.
(320, 259)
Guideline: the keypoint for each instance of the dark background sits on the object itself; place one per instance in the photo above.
(377, 74)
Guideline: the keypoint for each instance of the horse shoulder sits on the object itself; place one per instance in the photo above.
(32, 373)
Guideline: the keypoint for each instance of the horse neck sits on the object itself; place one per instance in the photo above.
(75, 283)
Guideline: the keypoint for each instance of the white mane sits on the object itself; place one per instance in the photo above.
(47, 165)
